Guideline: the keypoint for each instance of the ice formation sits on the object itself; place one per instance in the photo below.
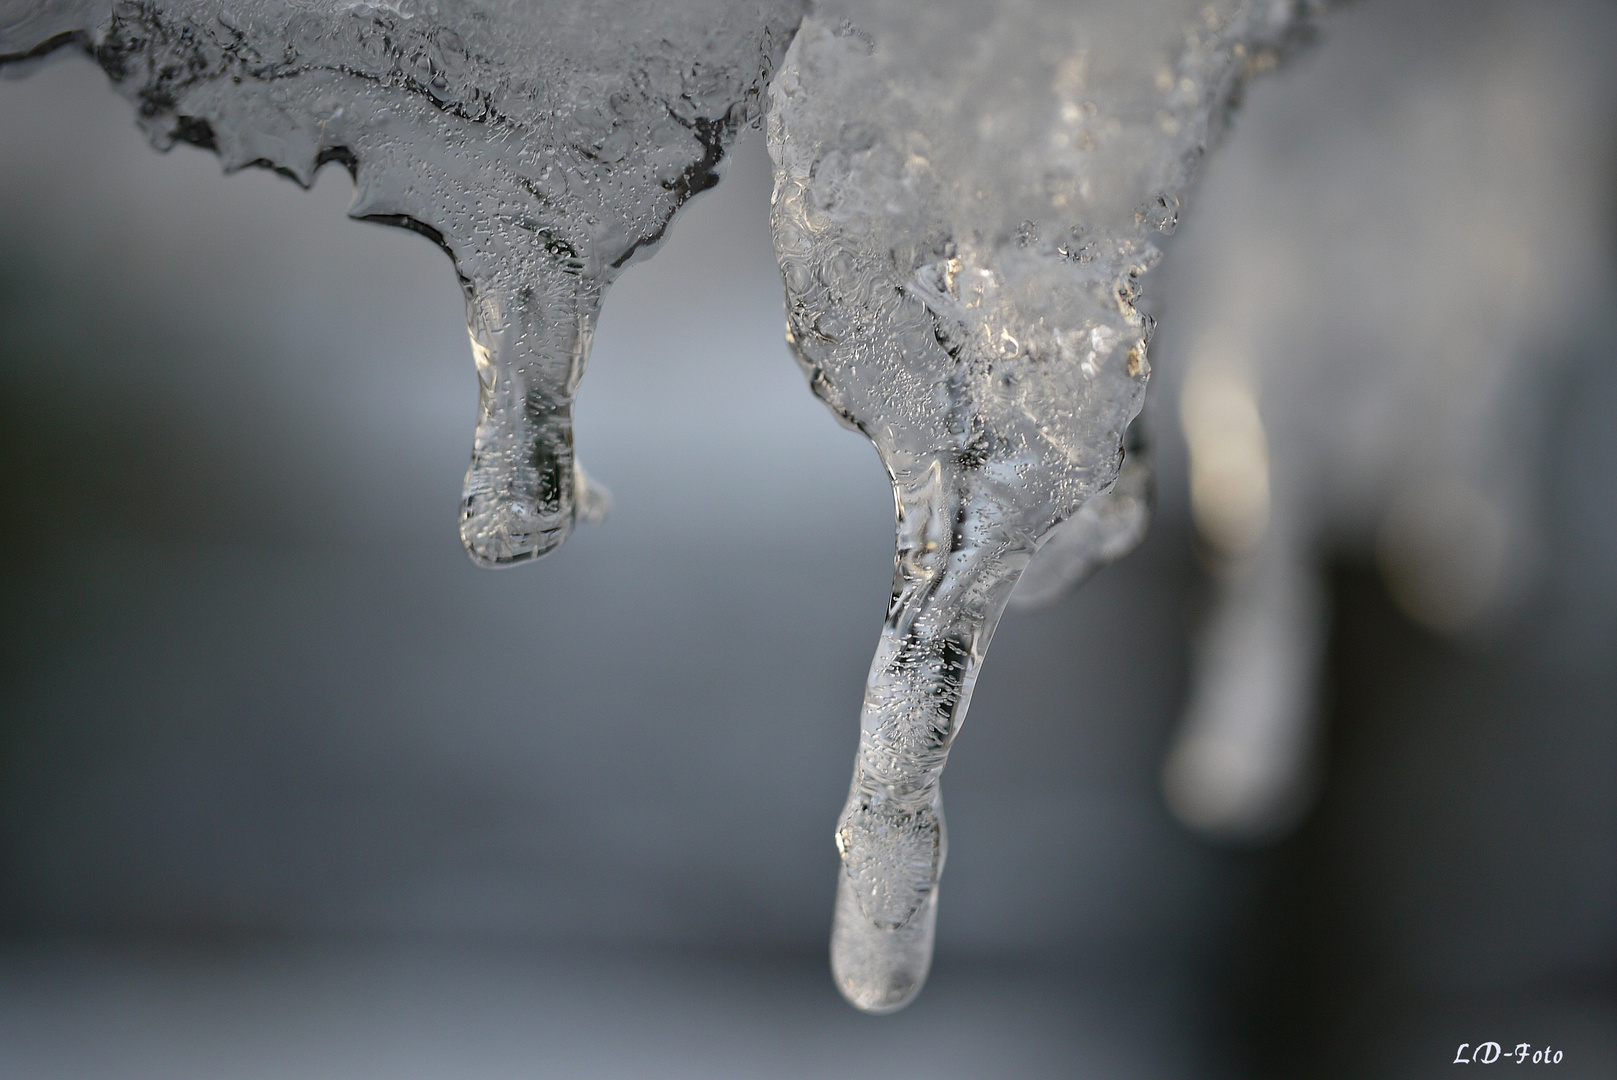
(544, 144)
(1374, 300)
(965, 202)
(967, 196)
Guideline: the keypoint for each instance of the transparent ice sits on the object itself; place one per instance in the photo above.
(965, 202)
(544, 144)
(1103, 530)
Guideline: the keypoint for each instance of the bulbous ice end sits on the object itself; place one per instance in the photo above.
(880, 971)
(507, 534)
(505, 530)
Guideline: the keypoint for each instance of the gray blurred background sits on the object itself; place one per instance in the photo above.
(289, 789)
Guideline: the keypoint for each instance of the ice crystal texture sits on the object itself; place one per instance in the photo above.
(965, 203)
(967, 200)
(1104, 529)
(543, 144)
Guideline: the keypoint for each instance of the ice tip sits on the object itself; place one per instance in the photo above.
(879, 1001)
(501, 533)
(879, 970)
(499, 546)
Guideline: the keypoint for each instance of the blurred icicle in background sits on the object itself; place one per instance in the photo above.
(1373, 300)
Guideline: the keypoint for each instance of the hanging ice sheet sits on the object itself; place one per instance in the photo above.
(543, 144)
(965, 199)
(965, 205)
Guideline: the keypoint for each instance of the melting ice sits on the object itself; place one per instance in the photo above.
(966, 200)
(544, 144)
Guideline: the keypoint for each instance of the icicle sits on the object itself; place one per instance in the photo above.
(522, 486)
(1366, 378)
(965, 198)
(543, 145)
(1242, 765)
(963, 203)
